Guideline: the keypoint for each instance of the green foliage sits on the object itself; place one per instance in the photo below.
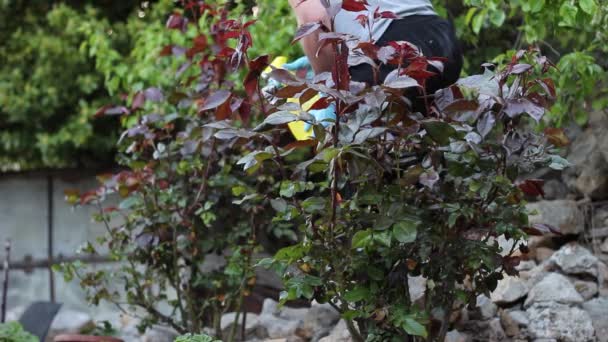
(572, 33)
(49, 89)
(13, 332)
(196, 338)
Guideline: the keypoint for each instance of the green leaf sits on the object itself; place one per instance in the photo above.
(439, 131)
(361, 238)
(497, 18)
(314, 204)
(405, 231)
(478, 21)
(412, 327)
(588, 6)
(357, 294)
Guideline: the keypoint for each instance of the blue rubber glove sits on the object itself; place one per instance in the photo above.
(301, 63)
(322, 116)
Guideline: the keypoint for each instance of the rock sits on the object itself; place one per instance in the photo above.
(600, 217)
(604, 246)
(555, 190)
(251, 324)
(509, 290)
(15, 313)
(456, 336)
(587, 289)
(276, 327)
(338, 334)
(575, 259)
(543, 253)
(486, 307)
(318, 322)
(417, 287)
(513, 321)
(496, 331)
(561, 214)
(588, 173)
(598, 311)
(271, 307)
(602, 279)
(526, 265)
(560, 322)
(553, 288)
(160, 334)
(70, 321)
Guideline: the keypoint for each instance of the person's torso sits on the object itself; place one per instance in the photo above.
(346, 22)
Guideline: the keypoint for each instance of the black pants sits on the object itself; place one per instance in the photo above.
(434, 36)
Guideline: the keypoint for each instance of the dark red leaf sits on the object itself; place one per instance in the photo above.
(285, 77)
(388, 15)
(176, 22)
(259, 64)
(321, 103)
(289, 91)
(300, 143)
(166, 51)
(369, 49)
(354, 5)
(461, 106)
(215, 100)
(305, 30)
(251, 84)
(516, 107)
(138, 101)
(533, 187)
(224, 111)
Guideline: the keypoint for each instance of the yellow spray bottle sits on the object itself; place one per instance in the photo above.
(297, 128)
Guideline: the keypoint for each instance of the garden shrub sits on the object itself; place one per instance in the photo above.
(179, 190)
(379, 195)
(387, 193)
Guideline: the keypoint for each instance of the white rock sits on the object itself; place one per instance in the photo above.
(160, 334)
(319, 321)
(598, 310)
(70, 321)
(553, 288)
(457, 336)
(277, 327)
(575, 259)
(340, 333)
(417, 287)
(587, 289)
(509, 290)
(561, 214)
(251, 323)
(604, 246)
(486, 307)
(560, 322)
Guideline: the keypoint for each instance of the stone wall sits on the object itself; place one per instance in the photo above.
(24, 218)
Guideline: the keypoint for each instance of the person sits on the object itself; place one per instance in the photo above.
(416, 22)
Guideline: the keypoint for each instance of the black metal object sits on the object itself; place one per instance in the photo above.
(38, 317)
(50, 233)
(28, 264)
(6, 266)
